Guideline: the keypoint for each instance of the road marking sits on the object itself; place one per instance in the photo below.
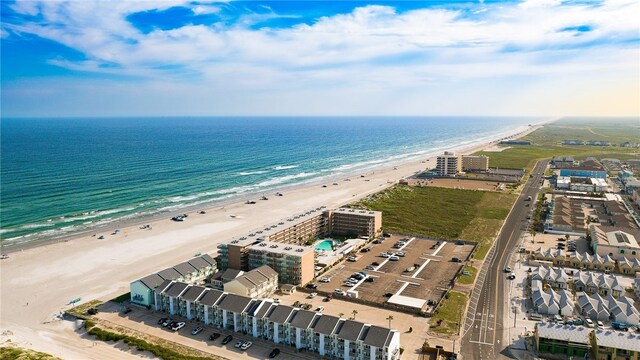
(421, 267)
(481, 343)
(435, 253)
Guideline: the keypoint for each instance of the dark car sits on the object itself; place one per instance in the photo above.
(375, 263)
(126, 310)
(369, 279)
(456, 260)
(511, 277)
(274, 353)
(92, 311)
(161, 321)
(227, 340)
(388, 294)
(214, 336)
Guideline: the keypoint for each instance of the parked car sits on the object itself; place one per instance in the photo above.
(394, 258)
(162, 320)
(246, 345)
(600, 324)
(589, 323)
(431, 302)
(227, 339)
(511, 277)
(369, 279)
(327, 299)
(352, 259)
(167, 322)
(179, 326)
(197, 330)
(384, 255)
(375, 263)
(214, 336)
(459, 242)
(401, 253)
(92, 311)
(125, 311)
(274, 353)
(313, 294)
(507, 269)
(320, 309)
(239, 343)
(369, 267)
(456, 260)
(340, 292)
(325, 280)
(557, 318)
(389, 294)
(367, 249)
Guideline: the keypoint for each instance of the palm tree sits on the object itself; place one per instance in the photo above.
(354, 312)
(390, 317)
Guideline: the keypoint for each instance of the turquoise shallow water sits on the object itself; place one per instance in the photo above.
(60, 176)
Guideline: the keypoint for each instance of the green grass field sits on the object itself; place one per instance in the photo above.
(11, 352)
(468, 279)
(449, 314)
(547, 142)
(443, 213)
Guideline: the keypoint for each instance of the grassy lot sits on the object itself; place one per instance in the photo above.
(468, 279)
(10, 351)
(547, 142)
(80, 311)
(431, 211)
(449, 315)
(443, 213)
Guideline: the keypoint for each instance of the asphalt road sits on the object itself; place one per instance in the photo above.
(485, 334)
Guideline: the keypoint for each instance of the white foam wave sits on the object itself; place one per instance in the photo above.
(280, 180)
(245, 173)
(285, 167)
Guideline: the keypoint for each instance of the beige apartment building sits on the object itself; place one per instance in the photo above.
(449, 164)
(354, 221)
(293, 263)
(480, 163)
(285, 245)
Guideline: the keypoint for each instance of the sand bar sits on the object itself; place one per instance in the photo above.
(38, 282)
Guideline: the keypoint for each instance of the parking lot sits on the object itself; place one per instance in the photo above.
(423, 272)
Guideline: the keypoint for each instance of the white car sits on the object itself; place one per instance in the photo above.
(320, 309)
(400, 253)
(325, 280)
(600, 324)
(312, 295)
(340, 292)
(246, 345)
(197, 330)
(589, 323)
(179, 326)
(239, 343)
(507, 269)
(384, 255)
(394, 258)
(352, 259)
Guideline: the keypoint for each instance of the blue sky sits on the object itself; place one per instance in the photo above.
(148, 58)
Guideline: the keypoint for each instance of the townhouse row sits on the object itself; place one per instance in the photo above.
(326, 335)
(585, 261)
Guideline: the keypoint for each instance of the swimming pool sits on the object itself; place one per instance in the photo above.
(325, 245)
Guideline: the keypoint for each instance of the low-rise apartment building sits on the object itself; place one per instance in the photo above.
(618, 244)
(258, 283)
(194, 271)
(475, 163)
(294, 264)
(326, 335)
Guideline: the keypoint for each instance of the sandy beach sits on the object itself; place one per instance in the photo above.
(39, 282)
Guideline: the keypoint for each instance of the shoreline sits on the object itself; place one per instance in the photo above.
(40, 281)
(11, 247)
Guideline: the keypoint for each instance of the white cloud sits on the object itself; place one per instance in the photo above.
(373, 50)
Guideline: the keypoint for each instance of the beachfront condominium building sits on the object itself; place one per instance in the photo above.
(293, 263)
(448, 164)
(258, 283)
(475, 163)
(326, 335)
(286, 245)
(194, 271)
(355, 222)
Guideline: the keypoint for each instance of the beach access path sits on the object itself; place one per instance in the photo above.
(38, 283)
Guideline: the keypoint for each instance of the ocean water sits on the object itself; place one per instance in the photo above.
(60, 176)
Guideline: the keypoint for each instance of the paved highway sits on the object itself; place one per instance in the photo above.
(484, 334)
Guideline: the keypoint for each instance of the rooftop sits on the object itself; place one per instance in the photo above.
(575, 334)
(280, 248)
(618, 340)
